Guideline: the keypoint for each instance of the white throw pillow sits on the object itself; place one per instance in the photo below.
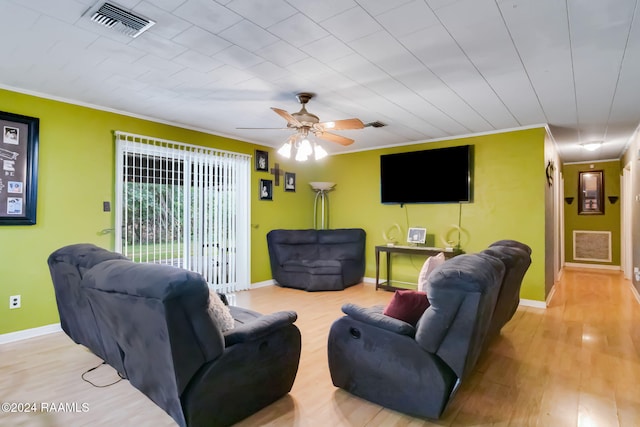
(220, 312)
(429, 265)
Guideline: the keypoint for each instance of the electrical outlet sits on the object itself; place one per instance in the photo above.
(14, 301)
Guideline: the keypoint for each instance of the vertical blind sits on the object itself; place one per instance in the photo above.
(186, 206)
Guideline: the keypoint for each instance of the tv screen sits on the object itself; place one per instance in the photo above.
(442, 175)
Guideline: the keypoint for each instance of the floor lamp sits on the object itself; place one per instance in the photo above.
(321, 189)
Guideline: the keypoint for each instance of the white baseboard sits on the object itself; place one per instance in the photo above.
(635, 292)
(263, 284)
(551, 294)
(533, 303)
(29, 333)
(369, 280)
(595, 266)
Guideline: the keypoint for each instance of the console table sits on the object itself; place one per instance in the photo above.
(411, 250)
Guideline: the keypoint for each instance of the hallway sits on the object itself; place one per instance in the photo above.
(578, 362)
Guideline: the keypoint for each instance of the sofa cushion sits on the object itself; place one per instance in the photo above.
(429, 265)
(68, 265)
(220, 312)
(317, 266)
(407, 305)
(294, 237)
(516, 262)
(287, 251)
(342, 235)
(463, 293)
(512, 244)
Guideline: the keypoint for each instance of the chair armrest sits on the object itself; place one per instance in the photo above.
(373, 316)
(260, 327)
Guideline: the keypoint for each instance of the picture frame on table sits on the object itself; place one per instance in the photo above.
(18, 169)
(417, 235)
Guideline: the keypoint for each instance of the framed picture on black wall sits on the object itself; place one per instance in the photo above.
(262, 161)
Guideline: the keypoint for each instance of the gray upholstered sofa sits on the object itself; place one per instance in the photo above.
(157, 321)
(317, 260)
(68, 266)
(416, 369)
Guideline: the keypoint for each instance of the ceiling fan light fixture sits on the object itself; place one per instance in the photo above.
(305, 147)
(285, 150)
(304, 150)
(320, 153)
(301, 156)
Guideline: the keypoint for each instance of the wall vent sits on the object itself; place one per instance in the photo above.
(119, 19)
(592, 246)
(376, 124)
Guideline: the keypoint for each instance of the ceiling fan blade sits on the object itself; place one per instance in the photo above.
(293, 122)
(335, 138)
(345, 124)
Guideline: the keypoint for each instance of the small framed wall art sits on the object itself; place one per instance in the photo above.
(289, 181)
(591, 193)
(262, 161)
(19, 169)
(266, 189)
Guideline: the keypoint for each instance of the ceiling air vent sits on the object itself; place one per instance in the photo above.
(112, 16)
(376, 124)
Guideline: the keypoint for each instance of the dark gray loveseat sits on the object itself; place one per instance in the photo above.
(168, 343)
(68, 266)
(417, 369)
(317, 260)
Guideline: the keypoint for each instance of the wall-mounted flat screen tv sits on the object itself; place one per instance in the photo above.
(442, 175)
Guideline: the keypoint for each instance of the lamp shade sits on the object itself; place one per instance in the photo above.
(322, 186)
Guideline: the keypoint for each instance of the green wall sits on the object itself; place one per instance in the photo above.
(610, 221)
(287, 210)
(76, 174)
(509, 202)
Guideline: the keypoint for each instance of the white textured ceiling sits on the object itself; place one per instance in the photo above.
(428, 69)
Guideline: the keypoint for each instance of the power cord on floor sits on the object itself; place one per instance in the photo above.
(96, 385)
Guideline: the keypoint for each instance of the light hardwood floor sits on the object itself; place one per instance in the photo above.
(577, 363)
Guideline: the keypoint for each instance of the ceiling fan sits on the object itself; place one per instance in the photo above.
(305, 123)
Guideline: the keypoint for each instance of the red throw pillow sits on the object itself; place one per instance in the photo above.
(407, 305)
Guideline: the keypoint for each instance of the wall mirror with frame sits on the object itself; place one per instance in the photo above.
(591, 193)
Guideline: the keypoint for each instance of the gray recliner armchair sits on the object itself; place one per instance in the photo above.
(416, 370)
(165, 338)
(516, 257)
(176, 354)
(68, 266)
